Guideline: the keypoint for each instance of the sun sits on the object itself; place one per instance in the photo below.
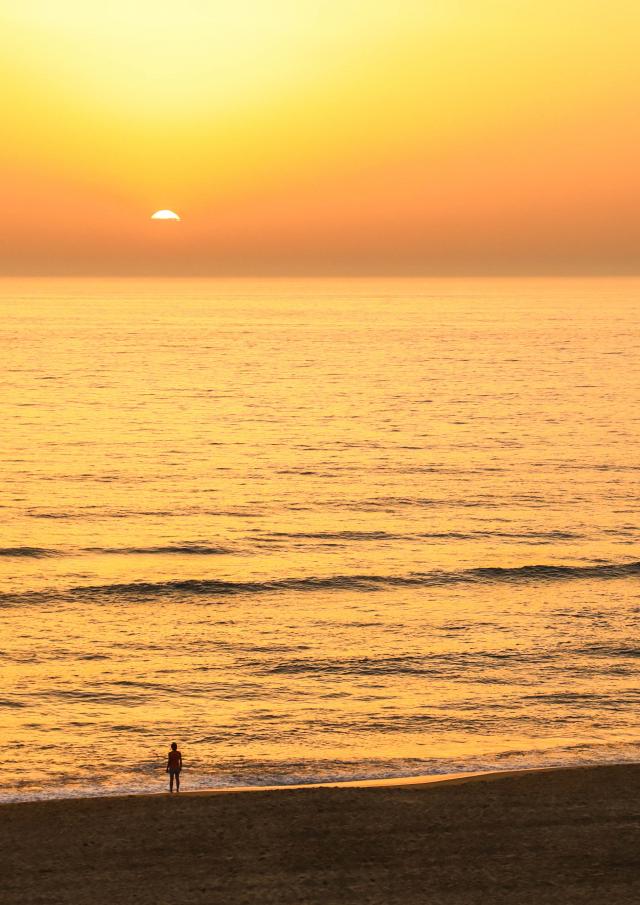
(165, 215)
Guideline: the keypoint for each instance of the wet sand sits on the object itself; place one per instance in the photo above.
(545, 837)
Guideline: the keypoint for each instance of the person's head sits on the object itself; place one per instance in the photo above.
(174, 746)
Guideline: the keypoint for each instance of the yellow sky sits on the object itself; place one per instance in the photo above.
(335, 136)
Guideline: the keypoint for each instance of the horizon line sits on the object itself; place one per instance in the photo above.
(330, 276)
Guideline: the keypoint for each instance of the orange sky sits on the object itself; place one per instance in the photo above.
(342, 136)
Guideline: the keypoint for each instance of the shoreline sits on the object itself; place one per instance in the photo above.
(390, 782)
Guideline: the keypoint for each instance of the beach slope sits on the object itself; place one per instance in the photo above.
(560, 836)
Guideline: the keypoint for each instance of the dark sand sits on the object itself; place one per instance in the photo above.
(561, 836)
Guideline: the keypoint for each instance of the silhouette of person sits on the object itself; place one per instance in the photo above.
(174, 765)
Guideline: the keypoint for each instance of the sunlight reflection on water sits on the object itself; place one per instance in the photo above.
(316, 529)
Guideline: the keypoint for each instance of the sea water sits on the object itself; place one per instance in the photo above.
(316, 529)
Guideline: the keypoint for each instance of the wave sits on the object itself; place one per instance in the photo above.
(427, 535)
(486, 575)
(27, 552)
(186, 548)
(95, 512)
(197, 548)
(334, 535)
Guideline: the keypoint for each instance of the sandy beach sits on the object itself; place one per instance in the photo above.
(565, 836)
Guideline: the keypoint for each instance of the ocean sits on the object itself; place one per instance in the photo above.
(316, 529)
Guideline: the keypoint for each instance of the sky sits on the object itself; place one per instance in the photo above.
(331, 137)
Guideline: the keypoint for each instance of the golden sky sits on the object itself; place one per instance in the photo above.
(335, 136)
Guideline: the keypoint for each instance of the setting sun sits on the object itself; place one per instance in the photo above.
(165, 215)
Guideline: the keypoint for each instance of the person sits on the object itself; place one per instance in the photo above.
(174, 765)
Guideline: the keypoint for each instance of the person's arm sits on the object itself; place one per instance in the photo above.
(167, 770)
(181, 761)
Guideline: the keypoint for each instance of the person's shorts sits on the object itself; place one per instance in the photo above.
(174, 772)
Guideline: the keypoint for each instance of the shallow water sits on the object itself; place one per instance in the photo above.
(316, 529)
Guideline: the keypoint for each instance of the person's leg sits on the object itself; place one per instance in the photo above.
(177, 780)
(170, 780)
